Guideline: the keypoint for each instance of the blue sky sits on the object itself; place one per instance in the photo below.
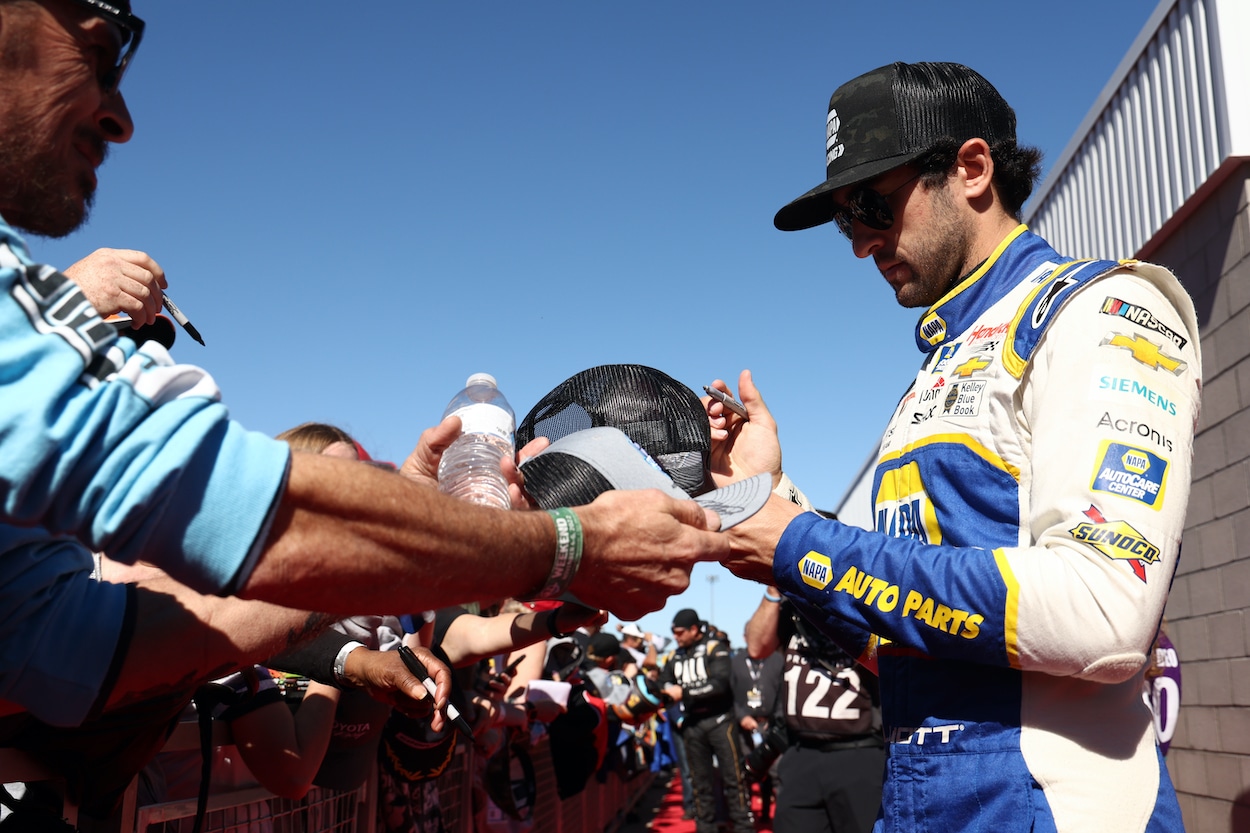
(359, 205)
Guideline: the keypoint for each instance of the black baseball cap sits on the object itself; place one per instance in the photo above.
(603, 645)
(686, 618)
(891, 116)
(576, 469)
(659, 413)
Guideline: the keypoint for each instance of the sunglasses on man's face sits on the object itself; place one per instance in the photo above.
(870, 207)
(131, 29)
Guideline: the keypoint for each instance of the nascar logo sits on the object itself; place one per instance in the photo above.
(1143, 317)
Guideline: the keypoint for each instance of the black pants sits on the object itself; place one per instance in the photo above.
(838, 791)
(705, 738)
(769, 783)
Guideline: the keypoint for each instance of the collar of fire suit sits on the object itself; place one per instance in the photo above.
(1016, 256)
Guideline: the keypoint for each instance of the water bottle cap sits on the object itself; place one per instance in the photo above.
(481, 379)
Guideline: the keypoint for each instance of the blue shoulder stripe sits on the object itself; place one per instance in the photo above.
(1039, 308)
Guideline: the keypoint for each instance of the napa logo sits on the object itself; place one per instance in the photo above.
(1130, 472)
(933, 328)
(903, 508)
(816, 570)
(1117, 540)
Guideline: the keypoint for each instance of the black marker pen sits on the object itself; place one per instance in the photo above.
(418, 670)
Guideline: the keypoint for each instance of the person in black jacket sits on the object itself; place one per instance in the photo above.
(698, 675)
(757, 684)
(828, 717)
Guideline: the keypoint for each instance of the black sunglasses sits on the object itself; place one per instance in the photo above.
(869, 207)
(132, 32)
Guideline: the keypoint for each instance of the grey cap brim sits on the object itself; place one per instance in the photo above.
(613, 461)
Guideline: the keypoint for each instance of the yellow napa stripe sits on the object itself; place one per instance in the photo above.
(1012, 362)
(967, 442)
(1011, 612)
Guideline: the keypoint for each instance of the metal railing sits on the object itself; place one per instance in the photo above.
(600, 808)
(1166, 124)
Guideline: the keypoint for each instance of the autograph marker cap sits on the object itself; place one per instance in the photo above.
(891, 116)
(576, 469)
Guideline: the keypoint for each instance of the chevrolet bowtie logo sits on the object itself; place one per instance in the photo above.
(973, 365)
(1146, 352)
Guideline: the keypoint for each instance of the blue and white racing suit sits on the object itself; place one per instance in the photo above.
(110, 448)
(1029, 499)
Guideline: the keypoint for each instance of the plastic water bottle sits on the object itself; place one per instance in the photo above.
(469, 469)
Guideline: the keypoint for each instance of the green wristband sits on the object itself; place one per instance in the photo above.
(568, 553)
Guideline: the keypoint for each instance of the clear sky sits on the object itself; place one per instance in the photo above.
(359, 205)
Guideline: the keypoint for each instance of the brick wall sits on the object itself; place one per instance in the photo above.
(1208, 611)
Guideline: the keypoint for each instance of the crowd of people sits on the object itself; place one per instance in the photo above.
(1029, 501)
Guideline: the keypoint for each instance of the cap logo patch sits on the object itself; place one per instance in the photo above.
(833, 148)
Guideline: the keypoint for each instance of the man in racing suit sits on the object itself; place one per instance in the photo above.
(698, 676)
(1031, 487)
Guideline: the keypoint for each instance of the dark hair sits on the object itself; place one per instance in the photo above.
(1016, 169)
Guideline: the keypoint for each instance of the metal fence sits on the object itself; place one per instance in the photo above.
(1168, 121)
(600, 808)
